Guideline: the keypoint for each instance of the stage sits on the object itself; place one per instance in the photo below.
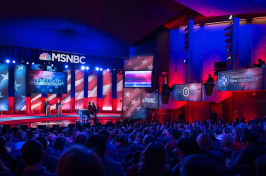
(39, 119)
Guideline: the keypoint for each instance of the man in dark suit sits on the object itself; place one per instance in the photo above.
(252, 149)
(46, 103)
(93, 112)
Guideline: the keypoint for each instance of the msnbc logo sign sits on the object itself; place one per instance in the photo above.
(45, 56)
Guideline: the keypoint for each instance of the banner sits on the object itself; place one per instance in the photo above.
(150, 100)
(92, 87)
(52, 100)
(119, 92)
(79, 89)
(107, 90)
(4, 87)
(46, 82)
(36, 101)
(20, 87)
(187, 92)
(245, 79)
(66, 98)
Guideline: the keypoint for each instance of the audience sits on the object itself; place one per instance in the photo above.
(139, 148)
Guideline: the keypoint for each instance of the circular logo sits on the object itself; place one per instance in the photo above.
(185, 91)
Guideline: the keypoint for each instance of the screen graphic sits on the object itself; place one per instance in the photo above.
(187, 92)
(138, 78)
(150, 100)
(245, 79)
(46, 82)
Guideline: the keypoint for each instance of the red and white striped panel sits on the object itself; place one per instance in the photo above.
(52, 100)
(107, 90)
(92, 87)
(119, 92)
(79, 89)
(36, 101)
(66, 98)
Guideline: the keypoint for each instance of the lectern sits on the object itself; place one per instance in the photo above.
(59, 110)
(47, 110)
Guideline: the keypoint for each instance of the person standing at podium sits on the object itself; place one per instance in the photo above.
(57, 107)
(46, 103)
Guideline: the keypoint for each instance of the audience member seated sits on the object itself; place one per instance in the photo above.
(153, 162)
(185, 148)
(237, 145)
(111, 150)
(9, 142)
(175, 134)
(58, 148)
(77, 161)
(260, 165)
(98, 143)
(252, 150)
(81, 138)
(51, 140)
(31, 154)
(22, 140)
(6, 158)
(4, 170)
(228, 153)
(199, 165)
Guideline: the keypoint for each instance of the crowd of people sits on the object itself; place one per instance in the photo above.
(201, 148)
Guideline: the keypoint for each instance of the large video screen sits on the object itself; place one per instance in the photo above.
(150, 100)
(46, 82)
(187, 92)
(245, 79)
(138, 79)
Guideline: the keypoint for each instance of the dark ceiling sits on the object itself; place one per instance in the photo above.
(127, 20)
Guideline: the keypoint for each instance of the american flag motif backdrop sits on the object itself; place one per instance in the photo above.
(131, 103)
(79, 89)
(4, 87)
(36, 101)
(52, 100)
(92, 87)
(20, 87)
(107, 90)
(139, 63)
(119, 91)
(66, 98)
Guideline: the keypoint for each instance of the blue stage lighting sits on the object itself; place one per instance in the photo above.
(7, 61)
(27, 63)
(87, 68)
(97, 68)
(108, 69)
(66, 66)
(32, 63)
(13, 61)
(82, 67)
(101, 69)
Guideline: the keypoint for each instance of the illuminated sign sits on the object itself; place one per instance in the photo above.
(60, 57)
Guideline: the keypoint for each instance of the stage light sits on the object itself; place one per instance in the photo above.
(13, 61)
(7, 61)
(32, 63)
(114, 68)
(82, 67)
(52, 65)
(97, 68)
(185, 61)
(230, 17)
(27, 63)
(101, 69)
(108, 69)
(87, 68)
(66, 66)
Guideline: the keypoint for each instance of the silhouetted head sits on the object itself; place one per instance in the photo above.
(97, 143)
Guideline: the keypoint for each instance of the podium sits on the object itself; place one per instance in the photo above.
(59, 110)
(47, 110)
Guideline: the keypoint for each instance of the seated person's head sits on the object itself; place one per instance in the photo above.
(105, 133)
(81, 138)
(32, 152)
(43, 141)
(22, 136)
(175, 134)
(186, 147)
(60, 143)
(148, 139)
(140, 137)
(77, 161)
(97, 143)
(2, 145)
(153, 157)
(248, 137)
(227, 140)
(51, 138)
(204, 142)
(123, 140)
(199, 165)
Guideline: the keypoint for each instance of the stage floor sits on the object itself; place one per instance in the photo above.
(19, 119)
